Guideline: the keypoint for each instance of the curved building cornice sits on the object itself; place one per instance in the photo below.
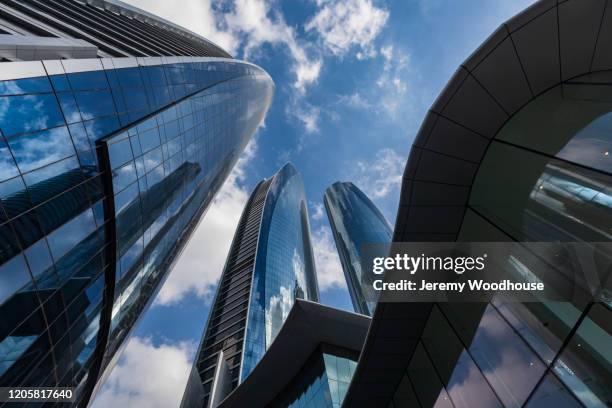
(546, 45)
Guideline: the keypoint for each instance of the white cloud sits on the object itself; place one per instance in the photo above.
(147, 376)
(392, 88)
(317, 211)
(257, 23)
(388, 97)
(195, 15)
(307, 115)
(347, 24)
(329, 269)
(243, 25)
(387, 52)
(201, 263)
(355, 100)
(382, 174)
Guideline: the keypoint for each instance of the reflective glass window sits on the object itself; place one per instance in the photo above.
(93, 104)
(153, 159)
(27, 228)
(13, 197)
(71, 233)
(99, 128)
(128, 77)
(551, 393)
(38, 257)
(25, 86)
(500, 353)
(8, 168)
(38, 149)
(81, 81)
(79, 138)
(426, 382)
(60, 82)
(124, 176)
(135, 99)
(8, 243)
(52, 170)
(149, 139)
(69, 107)
(543, 199)
(120, 153)
(29, 113)
(125, 197)
(585, 365)
(572, 122)
(466, 385)
(13, 275)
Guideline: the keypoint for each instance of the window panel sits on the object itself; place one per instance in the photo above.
(39, 257)
(53, 170)
(124, 176)
(149, 139)
(25, 86)
(585, 366)
(120, 153)
(135, 100)
(8, 243)
(27, 228)
(69, 107)
(71, 233)
(93, 104)
(13, 276)
(99, 128)
(573, 123)
(36, 150)
(544, 199)
(81, 81)
(551, 393)
(60, 82)
(423, 376)
(29, 113)
(14, 197)
(8, 168)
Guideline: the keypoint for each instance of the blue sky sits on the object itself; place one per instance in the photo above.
(353, 81)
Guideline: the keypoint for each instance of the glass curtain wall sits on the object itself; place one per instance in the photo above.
(284, 265)
(547, 176)
(322, 382)
(154, 136)
(355, 221)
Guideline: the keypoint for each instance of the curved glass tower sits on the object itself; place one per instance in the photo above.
(270, 264)
(355, 221)
(106, 166)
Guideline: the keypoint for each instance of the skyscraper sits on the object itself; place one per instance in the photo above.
(107, 164)
(269, 265)
(355, 221)
(515, 149)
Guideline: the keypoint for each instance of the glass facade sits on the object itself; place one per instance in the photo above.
(284, 265)
(355, 221)
(269, 265)
(105, 167)
(321, 383)
(539, 353)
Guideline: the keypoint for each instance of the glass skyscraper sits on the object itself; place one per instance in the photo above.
(515, 149)
(106, 166)
(355, 221)
(270, 264)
